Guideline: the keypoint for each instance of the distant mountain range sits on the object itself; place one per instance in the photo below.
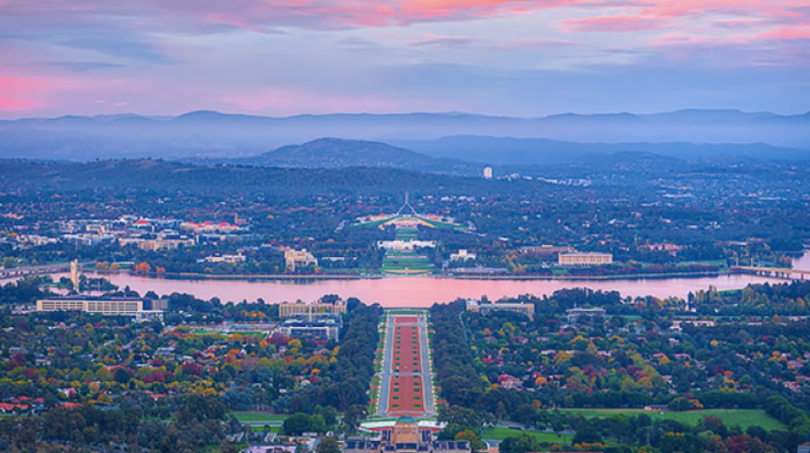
(540, 151)
(206, 134)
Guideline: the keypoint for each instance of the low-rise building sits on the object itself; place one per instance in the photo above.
(575, 314)
(463, 255)
(406, 436)
(485, 308)
(294, 259)
(103, 306)
(231, 259)
(210, 227)
(546, 250)
(287, 309)
(584, 259)
(399, 245)
(321, 326)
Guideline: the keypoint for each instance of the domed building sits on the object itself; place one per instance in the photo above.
(406, 436)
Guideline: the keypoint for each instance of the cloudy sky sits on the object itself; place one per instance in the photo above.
(509, 57)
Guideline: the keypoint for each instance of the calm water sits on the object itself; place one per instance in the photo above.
(424, 291)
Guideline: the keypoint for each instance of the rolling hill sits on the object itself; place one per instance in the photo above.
(341, 153)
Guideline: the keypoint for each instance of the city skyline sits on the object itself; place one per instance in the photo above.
(501, 57)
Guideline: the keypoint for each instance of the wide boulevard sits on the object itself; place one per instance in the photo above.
(406, 384)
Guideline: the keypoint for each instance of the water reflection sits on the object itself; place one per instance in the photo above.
(424, 291)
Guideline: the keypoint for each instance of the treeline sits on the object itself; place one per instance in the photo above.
(755, 300)
(796, 419)
(195, 424)
(567, 298)
(23, 291)
(157, 176)
(710, 434)
(451, 356)
(347, 383)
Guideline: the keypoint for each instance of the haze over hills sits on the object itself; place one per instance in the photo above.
(541, 151)
(341, 153)
(214, 134)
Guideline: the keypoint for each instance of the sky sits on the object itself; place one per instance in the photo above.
(499, 57)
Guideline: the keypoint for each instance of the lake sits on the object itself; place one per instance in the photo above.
(423, 291)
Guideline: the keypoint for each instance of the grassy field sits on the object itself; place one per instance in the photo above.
(412, 261)
(499, 433)
(407, 261)
(372, 224)
(273, 429)
(220, 334)
(405, 311)
(397, 261)
(254, 417)
(205, 331)
(742, 417)
(250, 333)
(444, 225)
(406, 233)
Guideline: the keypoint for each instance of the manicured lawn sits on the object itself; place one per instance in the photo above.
(250, 333)
(499, 433)
(395, 262)
(254, 416)
(742, 417)
(389, 270)
(371, 224)
(404, 311)
(444, 225)
(273, 429)
(205, 332)
(407, 261)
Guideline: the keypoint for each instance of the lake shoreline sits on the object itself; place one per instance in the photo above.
(495, 277)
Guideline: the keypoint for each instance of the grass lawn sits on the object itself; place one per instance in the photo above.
(499, 433)
(444, 225)
(273, 429)
(402, 261)
(402, 271)
(742, 417)
(250, 333)
(407, 262)
(254, 416)
(372, 224)
(205, 331)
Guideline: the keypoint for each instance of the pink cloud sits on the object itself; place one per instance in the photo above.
(621, 22)
(256, 16)
(17, 92)
(536, 43)
(787, 32)
(283, 100)
(432, 40)
(739, 23)
(268, 15)
(432, 9)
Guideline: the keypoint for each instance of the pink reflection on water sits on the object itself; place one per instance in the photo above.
(419, 291)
